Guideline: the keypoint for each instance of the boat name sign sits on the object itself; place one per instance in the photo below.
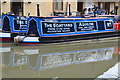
(86, 26)
(59, 27)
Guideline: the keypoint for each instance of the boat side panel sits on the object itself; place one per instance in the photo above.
(12, 22)
(76, 32)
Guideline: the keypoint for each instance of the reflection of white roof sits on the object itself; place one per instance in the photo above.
(27, 51)
(59, 59)
(5, 49)
(4, 34)
(31, 51)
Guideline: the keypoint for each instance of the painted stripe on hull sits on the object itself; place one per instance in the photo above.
(29, 43)
(5, 39)
(32, 41)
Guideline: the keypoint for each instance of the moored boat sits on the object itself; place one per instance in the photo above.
(11, 26)
(65, 29)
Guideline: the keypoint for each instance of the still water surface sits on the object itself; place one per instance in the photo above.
(66, 60)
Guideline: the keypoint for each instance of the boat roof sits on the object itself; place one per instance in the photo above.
(79, 18)
(107, 15)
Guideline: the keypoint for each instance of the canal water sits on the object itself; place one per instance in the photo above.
(60, 60)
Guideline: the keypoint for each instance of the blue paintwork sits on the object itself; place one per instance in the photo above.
(11, 19)
(39, 20)
(50, 17)
(39, 27)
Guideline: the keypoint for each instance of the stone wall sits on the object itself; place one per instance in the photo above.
(5, 7)
(46, 6)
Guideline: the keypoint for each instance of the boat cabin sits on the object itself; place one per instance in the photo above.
(57, 29)
(68, 26)
(14, 24)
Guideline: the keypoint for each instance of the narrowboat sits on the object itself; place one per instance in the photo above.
(65, 29)
(11, 26)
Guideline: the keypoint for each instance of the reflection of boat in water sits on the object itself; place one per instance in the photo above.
(73, 57)
(20, 56)
(53, 62)
(4, 49)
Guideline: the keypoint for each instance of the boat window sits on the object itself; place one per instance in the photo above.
(32, 30)
(101, 25)
(6, 24)
(57, 27)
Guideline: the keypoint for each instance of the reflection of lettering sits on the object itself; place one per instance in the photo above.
(61, 59)
(84, 56)
(77, 56)
(57, 59)
(22, 60)
(57, 27)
